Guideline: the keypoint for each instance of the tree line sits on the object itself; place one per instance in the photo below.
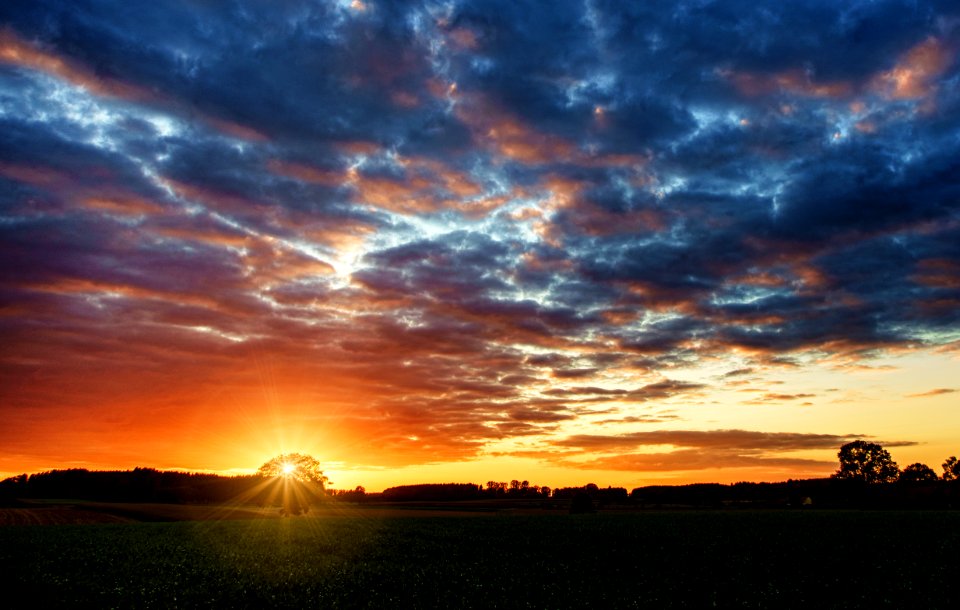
(137, 485)
(867, 477)
(870, 463)
(494, 490)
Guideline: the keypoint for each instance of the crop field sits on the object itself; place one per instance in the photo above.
(763, 559)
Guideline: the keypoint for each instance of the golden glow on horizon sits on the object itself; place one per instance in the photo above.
(894, 398)
(391, 341)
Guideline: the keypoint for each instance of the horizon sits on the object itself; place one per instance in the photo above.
(330, 485)
(666, 243)
(333, 487)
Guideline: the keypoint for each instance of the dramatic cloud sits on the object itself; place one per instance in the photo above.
(435, 230)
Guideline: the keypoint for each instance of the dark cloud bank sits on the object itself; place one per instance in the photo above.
(436, 212)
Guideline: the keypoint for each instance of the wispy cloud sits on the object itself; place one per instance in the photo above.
(934, 392)
(697, 450)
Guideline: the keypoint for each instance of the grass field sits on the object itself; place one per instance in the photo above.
(771, 559)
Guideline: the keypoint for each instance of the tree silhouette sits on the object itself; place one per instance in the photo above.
(917, 473)
(295, 467)
(866, 462)
(951, 469)
(496, 488)
(297, 480)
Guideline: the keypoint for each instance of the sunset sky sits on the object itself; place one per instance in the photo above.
(594, 241)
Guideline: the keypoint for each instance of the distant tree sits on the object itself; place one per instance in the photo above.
(917, 473)
(866, 462)
(519, 489)
(299, 479)
(432, 492)
(951, 469)
(496, 488)
(359, 494)
(295, 467)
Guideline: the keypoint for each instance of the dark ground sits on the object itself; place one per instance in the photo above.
(696, 559)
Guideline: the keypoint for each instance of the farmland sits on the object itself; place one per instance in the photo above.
(377, 559)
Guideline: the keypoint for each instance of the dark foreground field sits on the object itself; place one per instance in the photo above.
(767, 559)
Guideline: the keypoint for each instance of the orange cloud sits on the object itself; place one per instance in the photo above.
(496, 129)
(794, 81)
(19, 52)
(765, 279)
(404, 99)
(403, 195)
(359, 147)
(935, 392)
(39, 176)
(937, 273)
(307, 173)
(516, 141)
(463, 38)
(271, 262)
(692, 459)
(810, 279)
(915, 74)
(235, 130)
(426, 185)
(455, 182)
(14, 50)
(102, 194)
(81, 287)
(342, 237)
(131, 206)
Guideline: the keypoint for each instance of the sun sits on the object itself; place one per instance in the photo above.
(295, 467)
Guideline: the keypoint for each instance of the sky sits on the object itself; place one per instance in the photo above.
(626, 243)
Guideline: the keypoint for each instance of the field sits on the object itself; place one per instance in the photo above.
(763, 559)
